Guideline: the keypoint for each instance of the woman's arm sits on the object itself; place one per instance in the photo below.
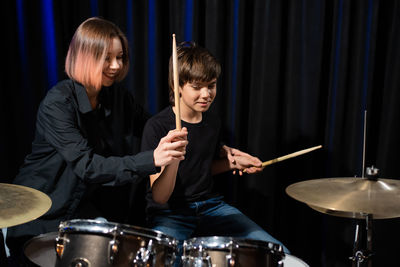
(57, 122)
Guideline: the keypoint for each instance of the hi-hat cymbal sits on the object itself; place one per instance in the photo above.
(20, 204)
(350, 197)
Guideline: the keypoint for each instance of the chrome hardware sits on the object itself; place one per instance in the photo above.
(113, 246)
(80, 262)
(144, 256)
(60, 244)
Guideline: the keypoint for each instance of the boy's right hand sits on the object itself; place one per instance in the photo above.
(171, 147)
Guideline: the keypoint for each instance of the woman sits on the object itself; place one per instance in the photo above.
(87, 134)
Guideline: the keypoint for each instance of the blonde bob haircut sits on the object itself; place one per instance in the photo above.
(88, 50)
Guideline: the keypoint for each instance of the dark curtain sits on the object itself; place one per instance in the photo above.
(295, 74)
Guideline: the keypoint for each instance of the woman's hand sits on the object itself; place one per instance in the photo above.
(171, 147)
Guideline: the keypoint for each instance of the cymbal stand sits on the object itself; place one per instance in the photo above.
(359, 256)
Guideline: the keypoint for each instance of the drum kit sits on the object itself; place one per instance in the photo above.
(82, 242)
(97, 243)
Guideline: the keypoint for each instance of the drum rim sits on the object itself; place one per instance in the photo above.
(106, 228)
(226, 240)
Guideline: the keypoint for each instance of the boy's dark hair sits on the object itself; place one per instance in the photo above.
(195, 64)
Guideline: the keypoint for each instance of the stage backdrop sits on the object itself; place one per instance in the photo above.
(295, 74)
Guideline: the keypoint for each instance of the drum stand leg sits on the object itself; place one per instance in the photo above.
(363, 256)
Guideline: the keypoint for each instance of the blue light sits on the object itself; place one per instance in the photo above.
(152, 101)
(335, 75)
(49, 44)
(234, 66)
(129, 33)
(188, 20)
(365, 82)
(94, 8)
(21, 36)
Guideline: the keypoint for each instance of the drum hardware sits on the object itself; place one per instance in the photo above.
(81, 262)
(20, 204)
(144, 255)
(230, 258)
(60, 245)
(360, 255)
(113, 246)
(202, 259)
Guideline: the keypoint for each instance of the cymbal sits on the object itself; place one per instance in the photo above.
(350, 196)
(20, 204)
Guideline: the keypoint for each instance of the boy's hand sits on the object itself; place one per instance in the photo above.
(171, 147)
(239, 161)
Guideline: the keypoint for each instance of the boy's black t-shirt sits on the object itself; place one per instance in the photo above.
(194, 181)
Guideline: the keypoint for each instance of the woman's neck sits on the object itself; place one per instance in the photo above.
(92, 95)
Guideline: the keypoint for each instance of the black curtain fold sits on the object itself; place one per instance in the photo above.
(295, 74)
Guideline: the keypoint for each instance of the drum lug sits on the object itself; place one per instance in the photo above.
(60, 245)
(230, 260)
(144, 256)
(201, 260)
(113, 247)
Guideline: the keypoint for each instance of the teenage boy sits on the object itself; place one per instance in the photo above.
(181, 201)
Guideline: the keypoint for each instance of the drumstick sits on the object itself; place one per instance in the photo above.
(176, 84)
(291, 155)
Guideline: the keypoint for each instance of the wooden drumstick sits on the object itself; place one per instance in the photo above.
(176, 84)
(291, 155)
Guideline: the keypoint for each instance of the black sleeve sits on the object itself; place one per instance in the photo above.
(58, 121)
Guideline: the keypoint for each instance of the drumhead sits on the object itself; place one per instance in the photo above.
(110, 228)
(292, 261)
(40, 250)
(225, 242)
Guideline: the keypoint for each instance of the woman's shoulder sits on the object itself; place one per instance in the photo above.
(62, 89)
(63, 93)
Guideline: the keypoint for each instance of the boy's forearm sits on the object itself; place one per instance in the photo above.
(163, 186)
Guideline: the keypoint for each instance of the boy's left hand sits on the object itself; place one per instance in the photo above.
(239, 160)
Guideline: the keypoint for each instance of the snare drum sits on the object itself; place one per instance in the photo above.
(96, 243)
(227, 251)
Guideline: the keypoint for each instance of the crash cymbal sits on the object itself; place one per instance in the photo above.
(20, 204)
(350, 196)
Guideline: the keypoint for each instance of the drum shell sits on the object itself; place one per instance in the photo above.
(88, 243)
(219, 250)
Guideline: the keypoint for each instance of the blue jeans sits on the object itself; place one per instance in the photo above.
(212, 217)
